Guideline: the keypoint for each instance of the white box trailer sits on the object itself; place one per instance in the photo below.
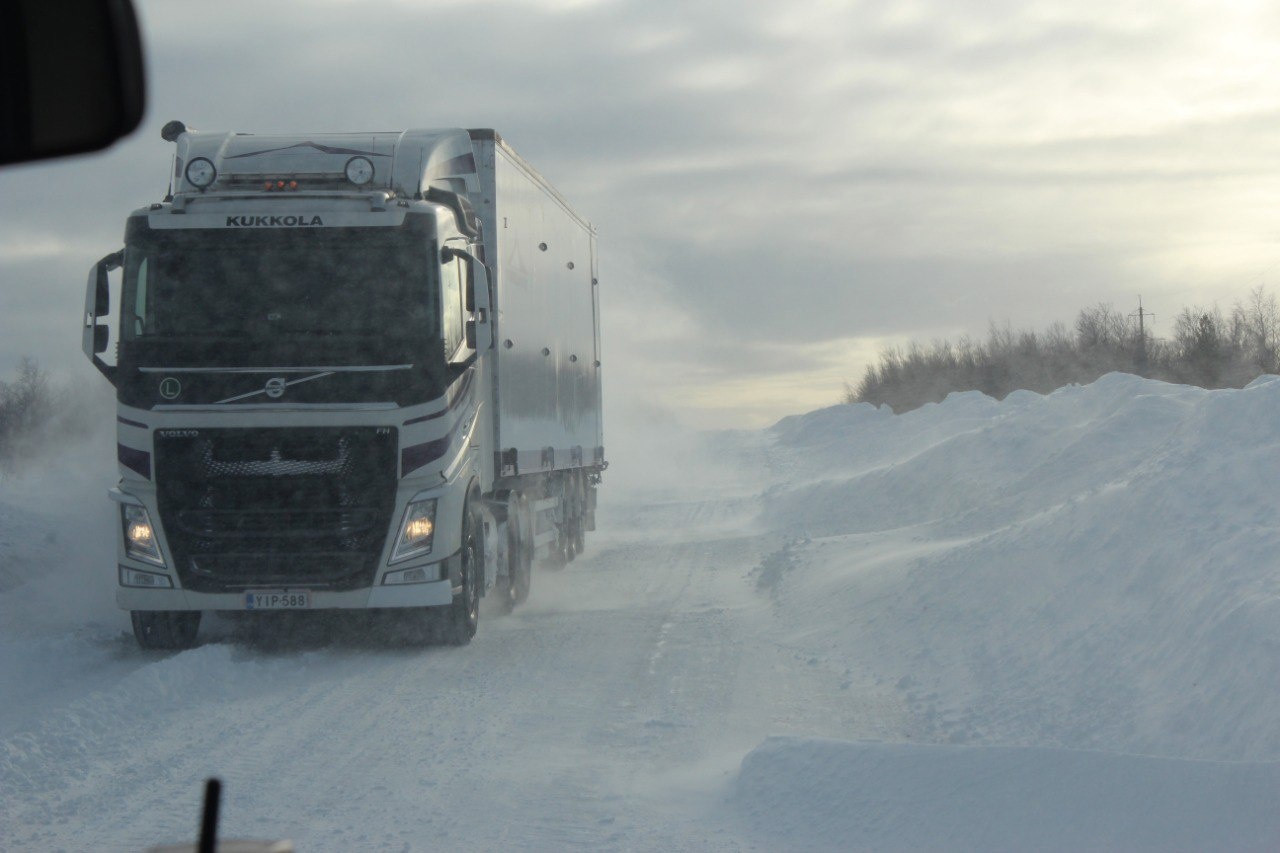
(547, 358)
(353, 371)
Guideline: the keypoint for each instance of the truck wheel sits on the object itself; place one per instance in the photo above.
(463, 615)
(570, 544)
(165, 629)
(514, 586)
(579, 537)
(554, 558)
(519, 574)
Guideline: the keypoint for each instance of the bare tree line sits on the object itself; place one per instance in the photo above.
(1207, 348)
(33, 410)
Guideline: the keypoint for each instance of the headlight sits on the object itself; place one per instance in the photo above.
(139, 536)
(416, 530)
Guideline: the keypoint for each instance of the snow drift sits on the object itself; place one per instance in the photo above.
(1094, 569)
(834, 795)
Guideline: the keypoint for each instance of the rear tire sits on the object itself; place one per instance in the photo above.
(513, 586)
(165, 629)
(559, 553)
(570, 544)
(519, 572)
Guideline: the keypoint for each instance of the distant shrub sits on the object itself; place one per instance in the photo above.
(1208, 349)
(32, 412)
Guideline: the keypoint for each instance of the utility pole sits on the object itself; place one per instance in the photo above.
(1141, 357)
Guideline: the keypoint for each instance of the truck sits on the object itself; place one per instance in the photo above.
(354, 371)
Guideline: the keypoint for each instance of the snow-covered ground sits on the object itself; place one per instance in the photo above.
(1042, 623)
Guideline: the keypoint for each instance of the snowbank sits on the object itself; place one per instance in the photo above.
(830, 795)
(1095, 569)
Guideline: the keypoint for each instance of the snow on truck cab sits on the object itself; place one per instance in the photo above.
(353, 371)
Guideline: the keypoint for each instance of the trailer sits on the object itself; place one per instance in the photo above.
(353, 371)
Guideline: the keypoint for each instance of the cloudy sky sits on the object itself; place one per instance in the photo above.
(780, 190)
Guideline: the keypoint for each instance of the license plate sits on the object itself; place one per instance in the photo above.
(277, 599)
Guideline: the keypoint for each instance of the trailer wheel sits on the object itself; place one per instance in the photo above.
(570, 542)
(165, 629)
(559, 553)
(461, 617)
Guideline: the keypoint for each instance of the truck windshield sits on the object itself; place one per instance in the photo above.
(270, 286)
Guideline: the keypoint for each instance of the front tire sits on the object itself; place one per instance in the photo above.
(165, 629)
(462, 616)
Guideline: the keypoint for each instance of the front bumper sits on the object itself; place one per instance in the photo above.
(429, 594)
(446, 487)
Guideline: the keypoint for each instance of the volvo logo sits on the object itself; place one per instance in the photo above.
(275, 388)
(170, 388)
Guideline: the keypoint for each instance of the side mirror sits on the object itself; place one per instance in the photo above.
(477, 299)
(97, 305)
(102, 290)
(481, 298)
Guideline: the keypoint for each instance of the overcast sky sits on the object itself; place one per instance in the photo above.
(780, 190)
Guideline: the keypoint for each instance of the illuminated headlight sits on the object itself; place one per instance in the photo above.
(359, 170)
(200, 172)
(421, 574)
(416, 530)
(139, 536)
(153, 580)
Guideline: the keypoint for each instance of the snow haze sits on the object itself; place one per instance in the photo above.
(1044, 623)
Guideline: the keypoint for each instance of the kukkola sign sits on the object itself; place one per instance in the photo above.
(272, 221)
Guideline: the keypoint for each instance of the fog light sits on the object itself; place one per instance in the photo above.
(418, 575)
(416, 531)
(133, 577)
(139, 536)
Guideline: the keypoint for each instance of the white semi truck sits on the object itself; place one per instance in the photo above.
(353, 371)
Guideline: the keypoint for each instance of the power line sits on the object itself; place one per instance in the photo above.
(1142, 315)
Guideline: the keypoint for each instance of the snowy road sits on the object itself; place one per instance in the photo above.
(610, 711)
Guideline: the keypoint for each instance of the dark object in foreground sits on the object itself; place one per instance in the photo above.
(209, 843)
(71, 77)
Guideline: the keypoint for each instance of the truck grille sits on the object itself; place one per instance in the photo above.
(253, 508)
